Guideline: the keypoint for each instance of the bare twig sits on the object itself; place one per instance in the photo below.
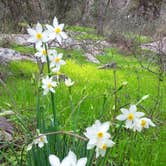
(65, 133)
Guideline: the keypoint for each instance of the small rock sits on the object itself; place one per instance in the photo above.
(6, 130)
(91, 48)
(112, 65)
(91, 58)
(7, 55)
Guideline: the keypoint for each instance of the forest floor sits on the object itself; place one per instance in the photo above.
(18, 90)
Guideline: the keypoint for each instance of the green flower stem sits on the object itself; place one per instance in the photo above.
(115, 89)
(52, 94)
(117, 133)
(53, 107)
(72, 109)
(108, 151)
(76, 107)
(38, 112)
(38, 108)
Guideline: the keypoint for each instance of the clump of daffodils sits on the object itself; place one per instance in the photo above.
(69, 160)
(99, 137)
(130, 116)
(41, 36)
(133, 119)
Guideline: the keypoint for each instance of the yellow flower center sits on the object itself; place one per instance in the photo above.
(41, 139)
(44, 52)
(57, 60)
(130, 116)
(57, 30)
(49, 85)
(104, 147)
(143, 123)
(100, 134)
(39, 36)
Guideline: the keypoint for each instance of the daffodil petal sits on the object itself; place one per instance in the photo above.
(54, 160)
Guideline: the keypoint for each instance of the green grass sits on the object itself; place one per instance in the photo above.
(146, 148)
(22, 49)
(75, 54)
(139, 38)
(85, 33)
(87, 36)
(112, 55)
(80, 29)
(126, 61)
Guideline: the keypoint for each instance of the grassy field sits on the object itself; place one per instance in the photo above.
(94, 88)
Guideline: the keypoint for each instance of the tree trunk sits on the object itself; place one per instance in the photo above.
(100, 17)
(86, 11)
(33, 11)
(150, 10)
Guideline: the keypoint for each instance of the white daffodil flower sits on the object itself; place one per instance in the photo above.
(52, 53)
(99, 137)
(48, 85)
(56, 31)
(41, 140)
(56, 62)
(143, 123)
(69, 160)
(130, 116)
(102, 147)
(96, 133)
(146, 123)
(69, 82)
(37, 35)
(42, 53)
